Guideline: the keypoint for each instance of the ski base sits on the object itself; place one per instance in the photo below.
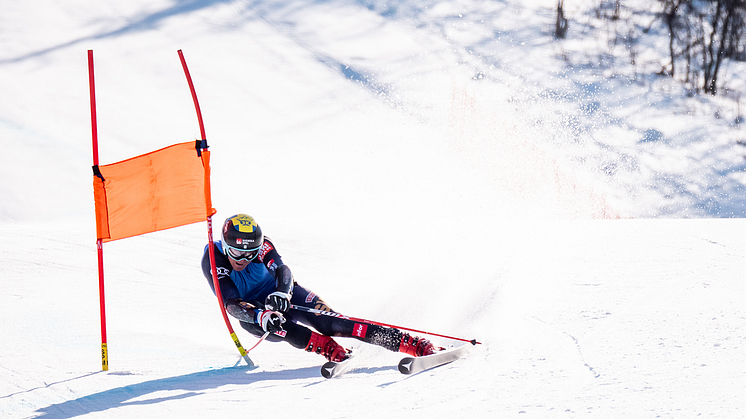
(412, 365)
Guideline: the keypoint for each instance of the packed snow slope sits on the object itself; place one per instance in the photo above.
(445, 166)
(609, 318)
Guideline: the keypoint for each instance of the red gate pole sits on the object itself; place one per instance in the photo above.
(211, 247)
(99, 243)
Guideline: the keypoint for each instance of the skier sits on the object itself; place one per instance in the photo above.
(258, 289)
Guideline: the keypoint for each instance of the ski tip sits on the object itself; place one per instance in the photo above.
(327, 370)
(405, 366)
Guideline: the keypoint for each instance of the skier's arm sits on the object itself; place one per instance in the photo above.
(228, 289)
(280, 299)
(231, 298)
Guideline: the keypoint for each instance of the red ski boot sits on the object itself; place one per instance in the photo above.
(324, 345)
(417, 346)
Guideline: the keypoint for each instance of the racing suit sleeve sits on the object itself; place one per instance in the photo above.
(231, 298)
(273, 261)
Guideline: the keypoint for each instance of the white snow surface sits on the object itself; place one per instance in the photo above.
(442, 165)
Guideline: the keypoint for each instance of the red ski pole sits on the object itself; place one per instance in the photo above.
(355, 319)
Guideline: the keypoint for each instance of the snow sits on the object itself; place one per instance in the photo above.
(445, 166)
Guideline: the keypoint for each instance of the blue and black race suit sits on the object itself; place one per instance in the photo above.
(266, 274)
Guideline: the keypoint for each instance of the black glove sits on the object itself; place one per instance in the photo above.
(271, 321)
(278, 301)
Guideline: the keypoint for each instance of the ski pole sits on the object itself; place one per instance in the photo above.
(355, 319)
(261, 339)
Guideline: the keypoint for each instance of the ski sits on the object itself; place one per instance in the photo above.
(408, 365)
(333, 369)
(412, 365)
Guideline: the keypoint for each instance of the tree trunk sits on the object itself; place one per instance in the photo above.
(709, 52)
(729, 9)
(560, 27)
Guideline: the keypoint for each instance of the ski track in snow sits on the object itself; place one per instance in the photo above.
(431, 164)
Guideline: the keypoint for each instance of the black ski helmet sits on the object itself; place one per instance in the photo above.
(242, 233)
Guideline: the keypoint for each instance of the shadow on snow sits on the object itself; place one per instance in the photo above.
(188, 385)
(147, 22)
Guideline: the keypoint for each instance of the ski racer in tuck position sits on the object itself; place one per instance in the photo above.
(258, 289)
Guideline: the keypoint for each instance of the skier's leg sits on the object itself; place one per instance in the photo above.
(301, 337)
(393, 339)
(390, 338)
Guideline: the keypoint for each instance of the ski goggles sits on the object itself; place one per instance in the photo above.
(238, 255)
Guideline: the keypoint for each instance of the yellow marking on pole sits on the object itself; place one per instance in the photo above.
(238, 344)
(104, 357)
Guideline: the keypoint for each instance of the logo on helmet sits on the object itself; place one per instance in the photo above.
(244, 223)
